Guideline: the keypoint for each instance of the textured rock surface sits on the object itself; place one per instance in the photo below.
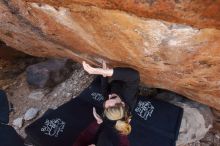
(216, 114)
(197, 118)
(31, 113)
(38, 94)
(168, 55)
(198, 13)
(18, 123)
(49, 73)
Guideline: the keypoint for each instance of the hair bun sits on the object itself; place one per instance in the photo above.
(123, 127)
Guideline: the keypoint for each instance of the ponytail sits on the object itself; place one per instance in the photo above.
(123, 127)
(119, 113)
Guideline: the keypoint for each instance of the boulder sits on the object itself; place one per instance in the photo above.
(31, 114)
(48, 73)
(197, 118)
(174, 44)
(18, 123)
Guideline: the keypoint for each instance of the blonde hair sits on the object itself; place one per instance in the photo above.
(117, 113)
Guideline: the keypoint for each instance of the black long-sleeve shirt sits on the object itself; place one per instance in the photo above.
(124, 82)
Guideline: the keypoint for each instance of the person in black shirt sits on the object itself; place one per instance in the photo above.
(120, 98)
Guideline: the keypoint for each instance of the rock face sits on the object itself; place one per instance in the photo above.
(174, 44)
(197, 118)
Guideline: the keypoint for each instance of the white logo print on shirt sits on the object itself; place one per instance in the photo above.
(97, 96)
(53, 127)
(144, 109)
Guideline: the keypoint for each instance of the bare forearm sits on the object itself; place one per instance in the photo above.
(97, 71)
(105, 72)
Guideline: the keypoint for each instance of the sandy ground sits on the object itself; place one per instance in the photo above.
(13, 81)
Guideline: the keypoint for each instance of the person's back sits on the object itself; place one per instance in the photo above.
(120, 98)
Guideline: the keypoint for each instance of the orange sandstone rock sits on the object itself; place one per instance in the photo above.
(169, 55)
(198, 13)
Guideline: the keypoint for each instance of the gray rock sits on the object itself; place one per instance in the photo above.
(197, 118)
(31, 114)
(18, 123)
(68, 94)
(38, 94)
(49, 73)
